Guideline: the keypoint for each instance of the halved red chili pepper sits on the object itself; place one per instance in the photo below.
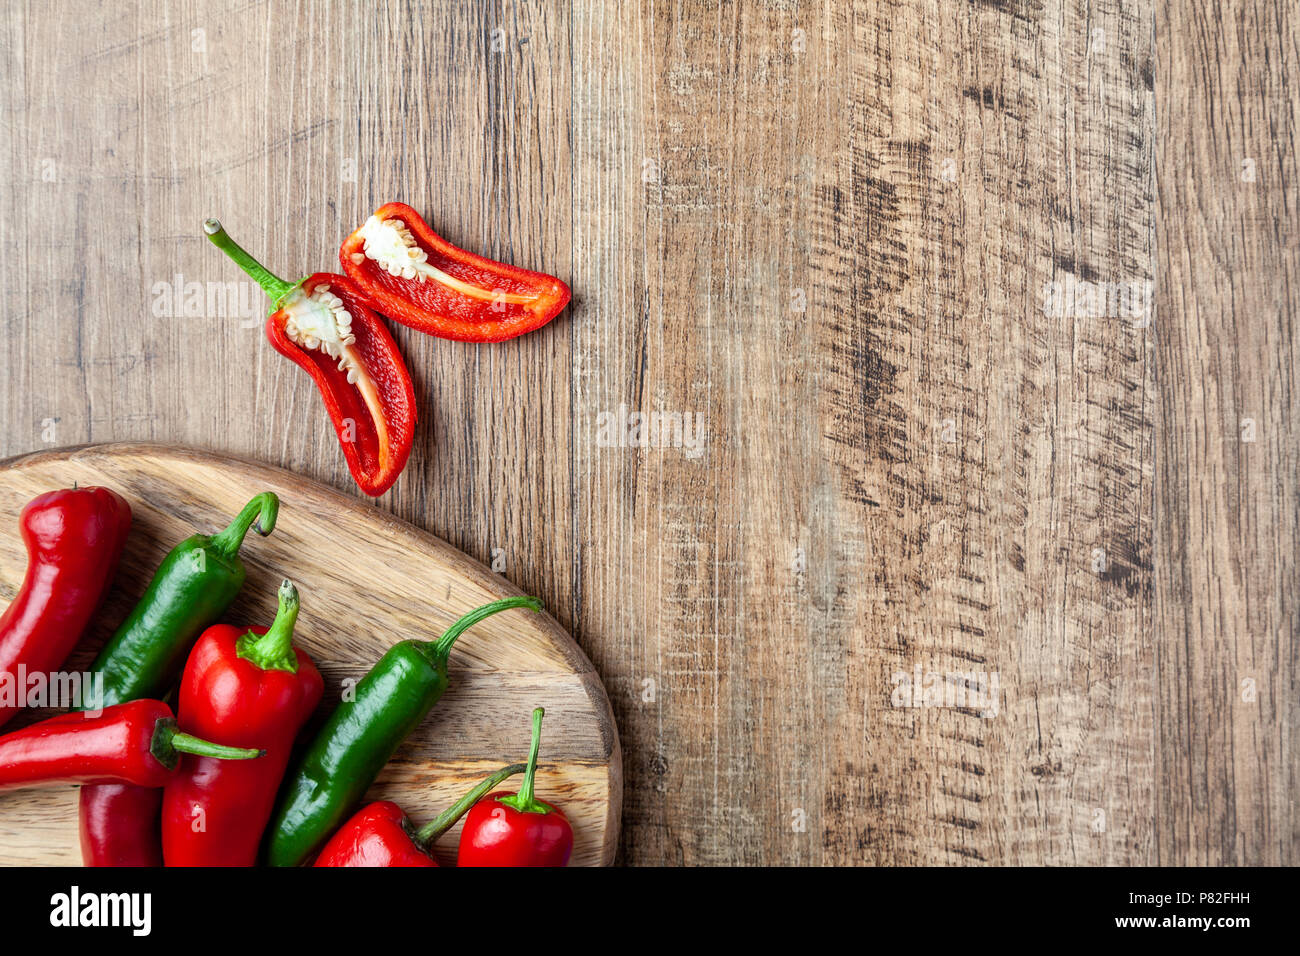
(415, 277)
(381, 834)
(136, 743)
(74, 538)
(324, 325)
(242, 687)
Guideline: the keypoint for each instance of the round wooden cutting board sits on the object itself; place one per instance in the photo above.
(367, 580)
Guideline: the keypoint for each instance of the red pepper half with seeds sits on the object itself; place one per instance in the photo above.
(415, 277)
(323, 324)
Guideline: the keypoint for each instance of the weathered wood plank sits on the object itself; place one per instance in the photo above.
(1227, 517)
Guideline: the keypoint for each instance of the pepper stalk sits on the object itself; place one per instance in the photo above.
(274, 649)
(524, 801)
(169, 743)
(259, 514)
(428, 834)
(440, 650)
(314, 321)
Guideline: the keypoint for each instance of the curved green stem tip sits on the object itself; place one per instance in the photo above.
(442, 646)
(263, 507)
(273, 651)
(277, 289)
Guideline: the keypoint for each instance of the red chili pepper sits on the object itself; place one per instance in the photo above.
(119, 825)
(242, 688)
(136, 743)
(74, 539)
(382, 835)
(324, 325)
(415, 277)
(510, 829)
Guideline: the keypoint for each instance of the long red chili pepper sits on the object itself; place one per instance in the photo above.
(509, 829)
(74, 539)
(133, 743)
(323, 324)
(415, 277)
(242, 688)
(382, 835)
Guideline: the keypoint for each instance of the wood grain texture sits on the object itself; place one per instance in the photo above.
(367, 581)
(827, 229)
(1227, 516)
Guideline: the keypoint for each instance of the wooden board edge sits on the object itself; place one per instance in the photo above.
(475, 570)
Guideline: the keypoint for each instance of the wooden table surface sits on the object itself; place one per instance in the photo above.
(893, 257)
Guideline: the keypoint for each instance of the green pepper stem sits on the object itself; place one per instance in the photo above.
(169, 743)
(187, 744)
(263, 507)
(524, 801)
(275, 287)
(442, 646)
(431, 831)
(273, 651)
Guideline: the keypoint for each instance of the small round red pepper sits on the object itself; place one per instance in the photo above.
(242, 687)
(133, 743)
(509, 829)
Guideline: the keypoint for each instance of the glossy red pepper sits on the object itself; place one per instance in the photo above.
(242, 688)
(415, 277)
(133, 743)
(119, 825)
(323, 324)
(381, 834)
(74, 539)
(509, 829)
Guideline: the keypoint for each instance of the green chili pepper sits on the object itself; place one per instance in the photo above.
(191, 589)
(360, 736)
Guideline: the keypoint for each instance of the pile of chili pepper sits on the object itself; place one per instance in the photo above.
(203, 786)
(362, 734)
(330, 325)
(506, 829)
(196, 582)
